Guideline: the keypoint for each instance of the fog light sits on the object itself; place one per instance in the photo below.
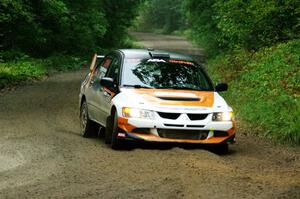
(223, 116)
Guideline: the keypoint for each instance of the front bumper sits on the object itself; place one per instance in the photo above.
(149, 130)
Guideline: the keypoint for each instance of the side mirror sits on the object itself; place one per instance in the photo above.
(109, 83)
(221, 87)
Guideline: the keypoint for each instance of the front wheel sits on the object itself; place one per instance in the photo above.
(111, 133)
(88, 127)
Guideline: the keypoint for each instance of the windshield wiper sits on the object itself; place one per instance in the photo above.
(137, 86)
(180, 88)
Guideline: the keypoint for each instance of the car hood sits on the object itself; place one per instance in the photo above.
(167, 97)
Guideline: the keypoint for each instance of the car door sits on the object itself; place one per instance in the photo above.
(94, 90)
(106, 95)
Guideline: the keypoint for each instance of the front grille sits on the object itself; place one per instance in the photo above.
(174, 125)
(195, 126)
(193, 116)
(220, 134)
(182, 134)
(172, 116)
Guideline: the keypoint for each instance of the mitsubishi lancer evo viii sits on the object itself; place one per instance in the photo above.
(153, 96)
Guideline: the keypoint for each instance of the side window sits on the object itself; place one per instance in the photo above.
(102, 67)
(106, 62)
(113, 70)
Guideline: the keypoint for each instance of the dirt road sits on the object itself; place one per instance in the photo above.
(42, 154)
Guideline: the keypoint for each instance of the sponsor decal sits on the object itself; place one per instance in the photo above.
(121, 135)
(182, 109)
(156, 60)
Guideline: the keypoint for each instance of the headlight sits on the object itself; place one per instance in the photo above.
(137, 113)
(223, 116)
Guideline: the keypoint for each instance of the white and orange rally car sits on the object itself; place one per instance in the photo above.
(154, 96)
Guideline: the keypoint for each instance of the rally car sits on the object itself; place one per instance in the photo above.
(153, 96)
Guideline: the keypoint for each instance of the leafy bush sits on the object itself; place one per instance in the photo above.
(254, 24)
(27, 69)
(264, 88)
(13, 73)
(219, 26)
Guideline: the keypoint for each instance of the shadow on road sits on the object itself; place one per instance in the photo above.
(132, 145)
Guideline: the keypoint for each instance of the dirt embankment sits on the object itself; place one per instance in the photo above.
(43, 156)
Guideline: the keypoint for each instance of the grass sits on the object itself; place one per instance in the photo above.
(14, 73)
(264, 89)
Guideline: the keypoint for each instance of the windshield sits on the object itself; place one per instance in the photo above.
(165, 74)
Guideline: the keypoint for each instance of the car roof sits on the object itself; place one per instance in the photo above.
(145, 54)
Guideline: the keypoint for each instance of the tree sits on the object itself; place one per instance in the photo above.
(165, 15)
(40, 28)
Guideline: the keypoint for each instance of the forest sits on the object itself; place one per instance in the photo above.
(252, 45)
(42, 28)
(41, 37)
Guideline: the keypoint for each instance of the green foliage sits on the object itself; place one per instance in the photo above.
(254, 24)
(202, 25)
(14, 72)
(40, 28)
(264, 88)
(219, 25)
(119, 16)
(161, 16)
(27, 69)
(58, 30)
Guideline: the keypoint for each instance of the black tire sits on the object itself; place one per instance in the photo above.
(108, 130)
(111, 132)
(88, 127)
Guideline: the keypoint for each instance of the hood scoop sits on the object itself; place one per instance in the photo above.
(177, 96)
(180, 98)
